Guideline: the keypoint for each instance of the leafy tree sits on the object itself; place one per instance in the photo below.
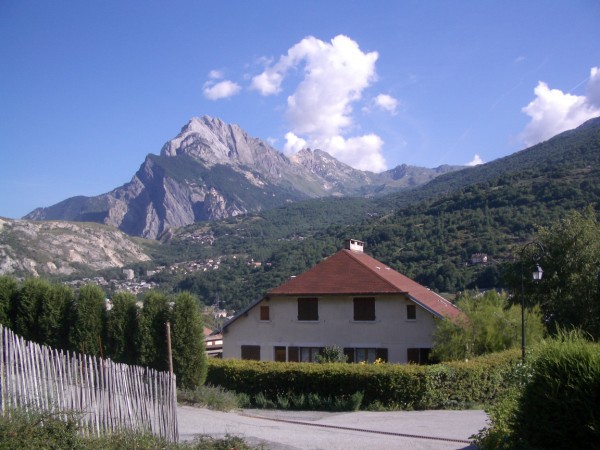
(53, 319)
(26, 308)
(569, 292)
(151, 337)
(121, 328)
(8, 291)
(189, 355)
(331, 354)
(490, 324)
(87, 320)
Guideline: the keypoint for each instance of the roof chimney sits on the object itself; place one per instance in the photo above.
(355, 245)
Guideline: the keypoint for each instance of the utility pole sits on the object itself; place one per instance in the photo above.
(170, 353)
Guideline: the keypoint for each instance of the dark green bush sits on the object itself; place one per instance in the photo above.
(560, 405)
(450, 385)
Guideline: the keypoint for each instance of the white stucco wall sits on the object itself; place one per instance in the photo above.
(335, 326)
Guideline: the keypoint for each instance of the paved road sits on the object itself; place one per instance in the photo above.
(287, 430)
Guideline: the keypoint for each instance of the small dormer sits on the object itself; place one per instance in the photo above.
(355, 245)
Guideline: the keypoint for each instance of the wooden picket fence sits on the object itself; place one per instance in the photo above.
(106, 397)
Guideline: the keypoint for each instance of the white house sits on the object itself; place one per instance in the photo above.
(349, 300)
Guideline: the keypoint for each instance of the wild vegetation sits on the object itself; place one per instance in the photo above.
(490, 324)
(32, 430)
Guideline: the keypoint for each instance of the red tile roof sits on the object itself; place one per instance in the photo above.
(355, 273)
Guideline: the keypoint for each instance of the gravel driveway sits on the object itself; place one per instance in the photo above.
(349, 430)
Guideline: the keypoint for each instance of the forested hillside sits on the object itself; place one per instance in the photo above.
(429, 233)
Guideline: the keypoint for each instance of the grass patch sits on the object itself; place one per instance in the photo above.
(212, 397)
(34, 430)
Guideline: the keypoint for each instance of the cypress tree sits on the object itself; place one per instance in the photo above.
(26, 308)
(121, 328)
(151, 336)
(189, 355)
(8, 291)
(53, 318)
(87, 320)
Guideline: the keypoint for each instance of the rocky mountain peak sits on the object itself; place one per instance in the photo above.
(212, 170)
(212, 141)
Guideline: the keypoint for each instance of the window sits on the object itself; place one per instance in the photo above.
(280, 354)
(251, 352)
(364, 309)
(369, 355)
(264, 313)
(308, 309)
(303, 354)
(411, 312)
(418, 355)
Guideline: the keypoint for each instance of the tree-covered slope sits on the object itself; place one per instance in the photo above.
(429, 233)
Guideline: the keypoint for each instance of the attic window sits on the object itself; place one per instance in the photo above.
(411, 312)
(264, 313)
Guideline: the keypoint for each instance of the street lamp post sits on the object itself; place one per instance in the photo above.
(537, 276)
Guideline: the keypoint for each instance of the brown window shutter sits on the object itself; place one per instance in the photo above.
(264, 313)
(293, 354)
(280, 354)
(364, 308)
(308, 309)
(251, 352)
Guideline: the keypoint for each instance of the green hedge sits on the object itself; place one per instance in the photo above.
(449, 385)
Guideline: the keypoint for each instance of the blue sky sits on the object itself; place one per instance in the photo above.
(88, 89)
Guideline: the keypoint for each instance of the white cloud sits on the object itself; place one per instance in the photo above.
(334, 75)
(553, 111)
(593, 88)
(387, 103)
(215, 74)
(475, 161)
(362, 152)
(293, 144)
(268, 82)
(222, 89)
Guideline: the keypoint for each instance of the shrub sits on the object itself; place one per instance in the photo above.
(331, 354)
(261, 401)
(560, 405)
(283, 402)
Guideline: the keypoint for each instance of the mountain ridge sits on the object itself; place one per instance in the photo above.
(213, 170)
